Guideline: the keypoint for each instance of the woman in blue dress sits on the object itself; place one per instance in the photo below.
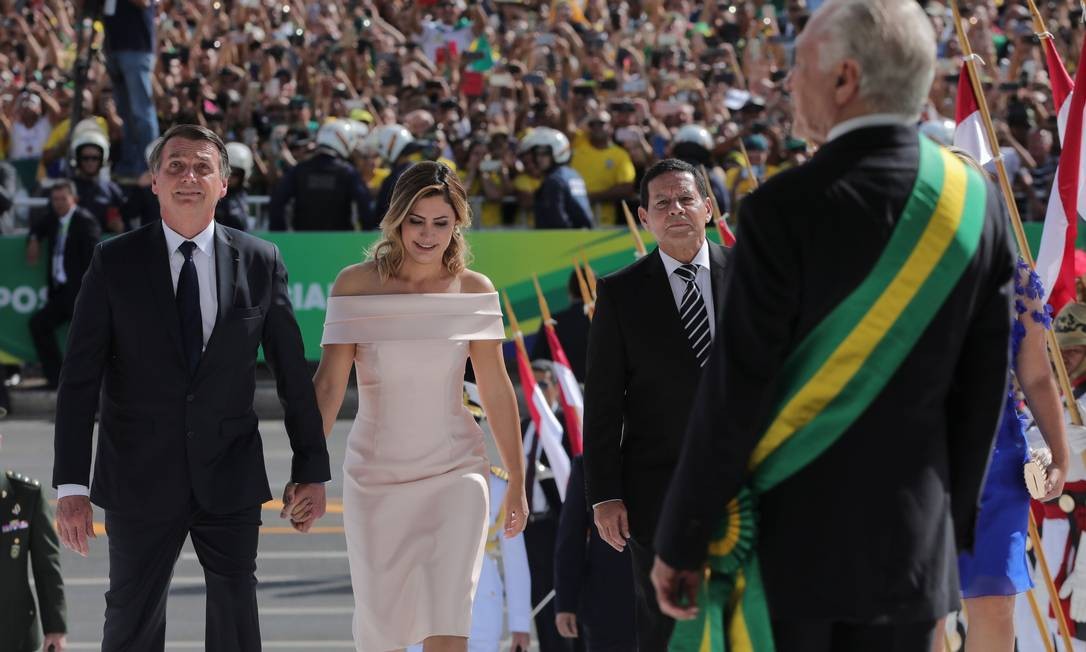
(996, 569)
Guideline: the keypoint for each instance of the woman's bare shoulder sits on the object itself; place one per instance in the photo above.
(474, 283)
(358, 279)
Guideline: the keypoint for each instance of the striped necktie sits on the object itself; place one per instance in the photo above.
(694, 316)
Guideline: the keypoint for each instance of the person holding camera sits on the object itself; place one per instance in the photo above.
(130, 61)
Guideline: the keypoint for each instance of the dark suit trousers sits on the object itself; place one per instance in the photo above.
(43, 330)
(828, 636)
(142, 554)
(539, 540)
(653, 627)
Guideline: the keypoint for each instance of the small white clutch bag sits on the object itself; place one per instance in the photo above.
(1036, 472)
(1036, 468)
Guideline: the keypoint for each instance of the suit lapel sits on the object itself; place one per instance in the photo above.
(158, 273)
(226, 271)
(667, 320)
(717, 260)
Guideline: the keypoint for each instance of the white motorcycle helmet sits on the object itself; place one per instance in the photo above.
(339, 136)
(241, 158)
(361, 130)
(696, 134)
(547, 137)
(93, 137)
(389, 141)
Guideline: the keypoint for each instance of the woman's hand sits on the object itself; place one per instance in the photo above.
(1056, 475)
(515, 505)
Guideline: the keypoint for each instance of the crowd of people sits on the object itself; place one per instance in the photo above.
(553, 113)
(624, 85)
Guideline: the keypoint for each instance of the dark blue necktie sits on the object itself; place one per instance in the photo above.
(188, 308)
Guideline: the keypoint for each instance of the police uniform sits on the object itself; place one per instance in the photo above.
(27, 535)
(507, 590)
(233, 209)
(323, 188)
(562, 201)
(103, 198)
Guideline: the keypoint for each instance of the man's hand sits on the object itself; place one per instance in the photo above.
(613, 523)
(521, 641)
(303, 504)
(54, 643)
(566, 624)
(672, 586)
(75, 523)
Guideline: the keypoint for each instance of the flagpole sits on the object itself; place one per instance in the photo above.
(1042, 625)
(590, 275)
(514, 326)
(718, 219)
(1038, 22)
(586, 294)
(746, 163)
(570, 410)
(1012, 208)
(544, 309)
(634, 230)
(1023, 248)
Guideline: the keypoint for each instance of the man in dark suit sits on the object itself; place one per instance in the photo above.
(857, 548)
(593, 584)
(571, 326)
(167, 326)
(649, 339)
(28, 541)
(70, 234)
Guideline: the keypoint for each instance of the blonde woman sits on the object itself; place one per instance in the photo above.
(415, 500)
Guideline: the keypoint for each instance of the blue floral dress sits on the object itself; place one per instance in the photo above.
(997, 564)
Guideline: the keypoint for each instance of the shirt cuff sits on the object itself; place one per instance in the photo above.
(603, 502)
(65, 490)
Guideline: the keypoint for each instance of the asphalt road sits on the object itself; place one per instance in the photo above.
(304, 588)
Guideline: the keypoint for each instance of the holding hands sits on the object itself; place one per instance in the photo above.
(303, 504)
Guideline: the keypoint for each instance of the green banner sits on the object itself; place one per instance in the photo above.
(509, 258)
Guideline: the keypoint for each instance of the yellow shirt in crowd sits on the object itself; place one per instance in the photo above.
(602, 169)
(491, 213)
(739, 183)
(379, 176)
(527, 184)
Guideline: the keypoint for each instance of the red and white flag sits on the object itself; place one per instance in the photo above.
(969, 132)
(1056, 256)
(571, 396)
(544, 425)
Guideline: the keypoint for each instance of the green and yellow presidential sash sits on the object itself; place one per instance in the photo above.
(830, 380)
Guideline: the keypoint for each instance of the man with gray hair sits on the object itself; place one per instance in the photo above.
(834, 456)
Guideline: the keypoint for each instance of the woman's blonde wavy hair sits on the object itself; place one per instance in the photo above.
(422, 180)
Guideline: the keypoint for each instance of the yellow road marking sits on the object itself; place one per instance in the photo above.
(100, 529)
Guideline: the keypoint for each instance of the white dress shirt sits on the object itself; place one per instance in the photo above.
(871, 120)
(204, 259)
(203, 256)
(703, 279)
(678, 288)
(60, 277)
